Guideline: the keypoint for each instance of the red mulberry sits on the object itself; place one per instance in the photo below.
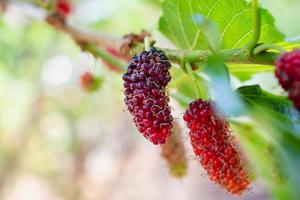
(212, 143)
(63, 7)
(145, 94)
(89, 82)
(288, 74)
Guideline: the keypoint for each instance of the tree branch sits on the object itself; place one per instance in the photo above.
(83, 36)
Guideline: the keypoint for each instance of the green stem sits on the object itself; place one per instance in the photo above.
(265, 47)
(230, 55)
(202, 84)
(257, 25)
(106, 57)
(193, 76)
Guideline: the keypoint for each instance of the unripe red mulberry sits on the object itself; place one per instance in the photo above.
(63, 7)
(145, 94)
(288, 74)
(212, 143)
(89, 82)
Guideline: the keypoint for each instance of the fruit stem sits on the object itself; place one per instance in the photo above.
(230, 55)
(192, 74)
(106, 57)
(265, 47)
(257, 25)
(147, 43)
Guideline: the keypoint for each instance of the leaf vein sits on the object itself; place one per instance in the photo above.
(187, 43)
(199, 30)
(230, 23)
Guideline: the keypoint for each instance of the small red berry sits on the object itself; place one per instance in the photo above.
(89, 82)
(145, 85)
(288, 74)
(63, 7)
(212, 143)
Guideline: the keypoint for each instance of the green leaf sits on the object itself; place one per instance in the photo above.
(254, 95)
(226, 99)
(245, 71)
(279, 120)
(270, 169)
(289, 46)
(234, 18)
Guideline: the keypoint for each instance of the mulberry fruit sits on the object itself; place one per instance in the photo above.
(89, 82)
(174, 153)
(145, 85)
(212, 143)
(288, 74)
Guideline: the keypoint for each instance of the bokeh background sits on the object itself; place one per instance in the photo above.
(59, 142)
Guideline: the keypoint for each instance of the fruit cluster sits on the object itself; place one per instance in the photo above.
(145, 85)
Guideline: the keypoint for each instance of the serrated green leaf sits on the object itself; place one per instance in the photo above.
(234, 18)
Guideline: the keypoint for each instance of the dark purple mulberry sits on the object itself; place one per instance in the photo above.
(288, 74)
(212, 143)
(145, 94)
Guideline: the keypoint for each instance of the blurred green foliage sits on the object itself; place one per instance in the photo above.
(39, 121)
